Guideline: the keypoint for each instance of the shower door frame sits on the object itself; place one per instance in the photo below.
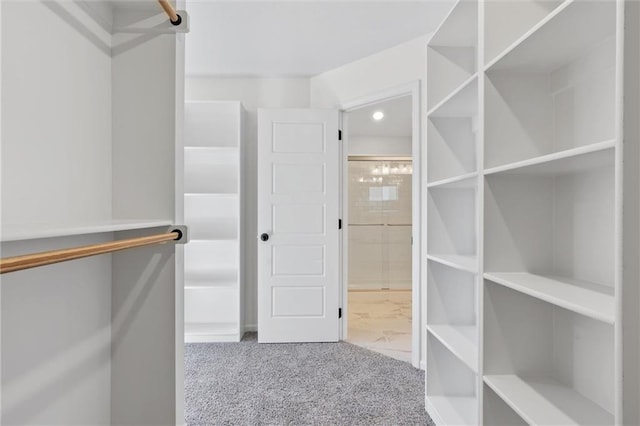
(418, 306)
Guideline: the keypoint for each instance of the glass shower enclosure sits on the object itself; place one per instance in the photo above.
(379, 223)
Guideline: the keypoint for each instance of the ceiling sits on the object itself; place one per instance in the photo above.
(299, 37)
(396, 121)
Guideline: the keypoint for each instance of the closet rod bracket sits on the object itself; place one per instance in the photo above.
(183, 231)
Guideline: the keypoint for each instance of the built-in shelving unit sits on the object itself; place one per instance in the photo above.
(213, 212)
(524, 202)
(452, 207)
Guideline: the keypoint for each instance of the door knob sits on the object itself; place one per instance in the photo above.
(264, 237)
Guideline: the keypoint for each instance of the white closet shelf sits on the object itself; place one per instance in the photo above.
(543, 401)
(573, 160)
(466, 181)
(211, 332)
(209, 274)
(216, 149)
(585, 298)
(548, 45)
(457, 261)
(20, 232)
(459, 340)
(212, 194)
(449, 32)
(453, 410)
(461, 102)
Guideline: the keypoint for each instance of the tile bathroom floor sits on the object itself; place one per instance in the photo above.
(381, 321)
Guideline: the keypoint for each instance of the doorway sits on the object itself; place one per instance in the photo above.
(381, 206)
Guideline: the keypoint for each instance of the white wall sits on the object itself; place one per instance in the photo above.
(389, 68)
(56, 168)
(56, 106)
(143, 126)
(377, 145)
(56, 338)
(254, 93)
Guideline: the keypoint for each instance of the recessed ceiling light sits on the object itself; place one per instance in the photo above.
(378, 115)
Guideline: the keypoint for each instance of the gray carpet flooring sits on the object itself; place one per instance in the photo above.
(248, 383)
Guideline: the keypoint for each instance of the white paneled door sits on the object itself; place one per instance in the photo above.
(298, 235)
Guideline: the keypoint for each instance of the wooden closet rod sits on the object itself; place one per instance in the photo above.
(18, 263)
(174, 18)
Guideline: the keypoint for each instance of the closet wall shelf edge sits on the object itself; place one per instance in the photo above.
(586, 157)
(513, 46)
(433, 111)
(588, 299)
(11, 233)
(456, 261)
(448, 409)
(459, 180)
(543, 401)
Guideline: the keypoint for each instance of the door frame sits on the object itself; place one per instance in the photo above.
(412, 89)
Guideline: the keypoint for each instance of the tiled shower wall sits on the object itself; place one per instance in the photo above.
(379, 224)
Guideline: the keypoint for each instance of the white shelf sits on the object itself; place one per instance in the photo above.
(225, 150)
(452, 410)
(211, 305)
(464, 263)
(454, 28)
(462, 102)
(212, 123)
(452, 51)
(506, 21)
(460, 340)
(451, 222)
(543, 401)
(212, 217)
(524, 207)
(466, 181)
(20, 232)
(211, 333)
(211, 194)
(592, 300)
(451, 153)
(211, 277)
(553, 96)
(213, 209)
(567, 32)
(211, 171)
(564, 162)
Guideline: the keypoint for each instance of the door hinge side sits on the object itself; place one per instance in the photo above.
(339, 312)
